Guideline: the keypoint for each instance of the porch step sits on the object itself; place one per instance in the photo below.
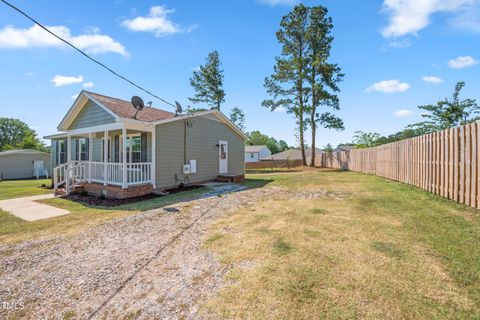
(60, 192)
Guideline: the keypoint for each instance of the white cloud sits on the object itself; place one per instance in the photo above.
(29, 74)
(59, 81)
(156, 22)
(389, 86)
(74, 97)
(411, 16)
(274, 3)
(88, 84)
(468, 18)
(432, 79)
(405, 43)
(36, 37)
(462, 62)
(403, 113)
(280, 109)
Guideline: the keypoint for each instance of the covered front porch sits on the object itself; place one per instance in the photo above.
(118, 155)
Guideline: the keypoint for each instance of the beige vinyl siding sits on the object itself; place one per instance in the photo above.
(202, 140)
(91, 115)
(20, 166)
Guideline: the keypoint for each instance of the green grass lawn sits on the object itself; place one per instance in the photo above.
(364, 247)
(13, 229)
(22, 188)
(370, 249)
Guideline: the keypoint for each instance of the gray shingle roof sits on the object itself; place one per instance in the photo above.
(23, 151)
(291, 154)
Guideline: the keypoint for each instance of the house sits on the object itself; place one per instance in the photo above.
(24, 164)
(344, 148)
(293, 154)
(109, 148)
(255, 153)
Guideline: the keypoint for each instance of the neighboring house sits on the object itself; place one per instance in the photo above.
(293, 154)
(24, 164)
(343, 148)
(111, 149)
(255, 153)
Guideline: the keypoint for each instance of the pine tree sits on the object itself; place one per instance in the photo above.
(208, 83)
(287, 85)
(237, 116)
(323, 76)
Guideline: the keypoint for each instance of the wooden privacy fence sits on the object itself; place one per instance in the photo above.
(270, 164)
(446, 163)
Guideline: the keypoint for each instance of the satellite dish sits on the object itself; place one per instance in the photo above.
(137, 103)
(179, 107)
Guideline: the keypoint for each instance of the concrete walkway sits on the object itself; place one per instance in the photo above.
(27, 209)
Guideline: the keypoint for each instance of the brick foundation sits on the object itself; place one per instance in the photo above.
(116, 192)
(239, 178)
(235, 178)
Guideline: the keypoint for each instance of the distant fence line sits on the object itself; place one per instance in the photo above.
(446, 163)
(270, 164)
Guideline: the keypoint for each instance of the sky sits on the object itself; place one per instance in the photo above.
(396, 55)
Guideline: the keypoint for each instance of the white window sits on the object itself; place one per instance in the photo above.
(62, 151)
(82, 149)
(134, 148)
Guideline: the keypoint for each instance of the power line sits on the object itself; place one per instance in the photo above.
(85, 54)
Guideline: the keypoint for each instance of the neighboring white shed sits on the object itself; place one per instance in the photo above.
(24, 164)
(255, 153)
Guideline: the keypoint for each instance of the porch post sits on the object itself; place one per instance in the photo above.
(105, 156)
(69, 148)
(90, 150)
(154, 153)
(124, 157)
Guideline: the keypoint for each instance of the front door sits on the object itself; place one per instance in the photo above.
(223, 156)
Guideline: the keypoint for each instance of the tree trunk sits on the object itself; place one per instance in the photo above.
(313, 124)
(300, 136)
(314, 132)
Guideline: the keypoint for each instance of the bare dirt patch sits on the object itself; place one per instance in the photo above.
(152, 262)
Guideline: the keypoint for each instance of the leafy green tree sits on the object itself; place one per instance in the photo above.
(323, 76)
(350, 144)
(404, 134)
(328, 148)
(208, 83)
(16, 134)
(282, 146)
(237, 116)
(287, 85)
(448, 113)
(256, 138)
(366, 139)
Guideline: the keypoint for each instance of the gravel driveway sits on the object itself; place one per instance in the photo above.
(145, 266)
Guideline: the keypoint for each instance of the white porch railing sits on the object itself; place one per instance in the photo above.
(84, 171)
(137, 173)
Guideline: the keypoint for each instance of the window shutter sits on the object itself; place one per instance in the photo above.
(144, 146)
(76, 145)
(87, 148)
(117, 149)
(55, 152)
(63, 155)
